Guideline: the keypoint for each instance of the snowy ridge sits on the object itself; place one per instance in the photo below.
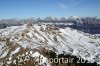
(68, 41)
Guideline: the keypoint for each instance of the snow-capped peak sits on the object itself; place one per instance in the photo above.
(53, 38)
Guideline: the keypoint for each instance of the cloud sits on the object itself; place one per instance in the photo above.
(71, 4)
(62, 5)
(65, 6)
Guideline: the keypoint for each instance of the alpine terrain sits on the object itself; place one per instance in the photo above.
(33, 44)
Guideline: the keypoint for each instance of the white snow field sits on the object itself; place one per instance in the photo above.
(60, 40)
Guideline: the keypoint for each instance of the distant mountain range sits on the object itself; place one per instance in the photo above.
(85, 24)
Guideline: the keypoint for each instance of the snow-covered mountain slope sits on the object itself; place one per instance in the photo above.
(68, 41)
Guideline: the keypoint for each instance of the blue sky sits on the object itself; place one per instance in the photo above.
(53, 8)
